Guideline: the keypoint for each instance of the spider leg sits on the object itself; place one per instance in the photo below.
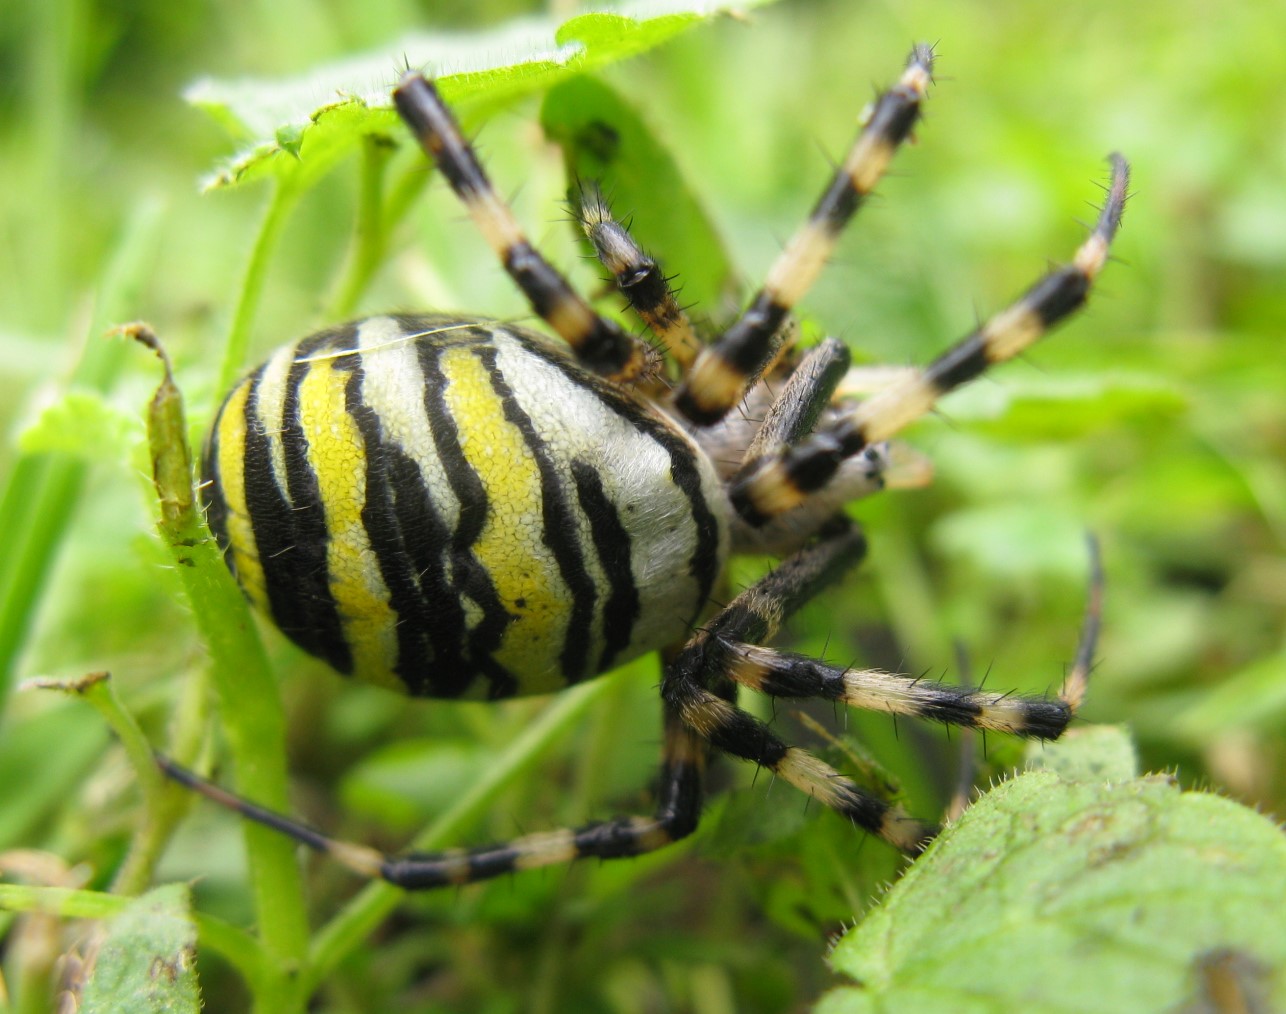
(811, 389)
(597, 342)
(790, 675)
(638, 277)
(728, 648)
(753, 616)
(784, 478)
(677, 812)
(727, 368)
(801, 400)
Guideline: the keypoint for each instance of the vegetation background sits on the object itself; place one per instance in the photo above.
(1157, 420)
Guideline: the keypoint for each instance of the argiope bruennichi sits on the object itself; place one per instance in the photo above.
(456, 507)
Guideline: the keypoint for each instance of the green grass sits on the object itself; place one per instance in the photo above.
(1156, 419)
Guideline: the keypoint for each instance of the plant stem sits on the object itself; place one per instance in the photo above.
(249, 704)
(284, 196)
(369, 232)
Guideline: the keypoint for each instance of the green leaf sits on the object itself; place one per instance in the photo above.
(147, 963)
(43, 759)
(605, 141)
(86, 426)
(308, 122)
(1070, 885)
(1015, 540)
(1037, 408)
(402, 782)
(1254, 697)
(1102, 753)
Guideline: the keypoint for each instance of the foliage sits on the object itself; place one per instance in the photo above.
(146, 961)
(1073, 883)
(1155, 420)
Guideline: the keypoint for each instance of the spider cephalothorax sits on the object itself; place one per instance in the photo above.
(457, 507)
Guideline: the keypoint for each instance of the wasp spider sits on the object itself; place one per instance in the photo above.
(456, 507)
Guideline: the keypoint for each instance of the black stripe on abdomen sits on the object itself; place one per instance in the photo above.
(290, 526)
(612, 543)
(703, 565)
(409, 541)
(468, 577)
(559, 526)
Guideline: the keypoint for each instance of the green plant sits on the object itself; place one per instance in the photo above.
(1157, 423)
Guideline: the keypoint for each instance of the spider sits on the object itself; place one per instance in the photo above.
(456, 507)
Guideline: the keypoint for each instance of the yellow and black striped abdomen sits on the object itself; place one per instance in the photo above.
(456, 508)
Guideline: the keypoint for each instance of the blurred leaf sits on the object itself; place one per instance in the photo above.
(1020, 539)
(314, 119)
(1155, 634)
(402, 783)
(1255, 697)
(147, 963)
(42, 760)
(1069, 885)
(1064, 406)
(747, 821)
(85, 425)
(1183, 494)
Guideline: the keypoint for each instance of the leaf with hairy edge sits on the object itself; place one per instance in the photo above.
(311, 120)
(146, 964)
(1079, 887)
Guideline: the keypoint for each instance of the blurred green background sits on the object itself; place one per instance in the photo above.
(1157, 419)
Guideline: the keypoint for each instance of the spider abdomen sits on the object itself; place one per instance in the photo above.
(456, 508)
